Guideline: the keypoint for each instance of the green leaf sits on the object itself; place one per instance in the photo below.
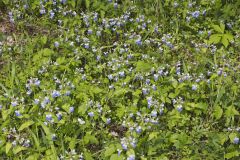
(25, 125)
(5, 2)
(143, 66)
(72, 143)
(229, 36)
(87, 3)
(215, 38)
(232, 136)
(152, 135)
(18, 149)
(116, 157)
(231, 111)
(109, 150)
(222, 26)
(218, 28)
(225, 41)
(231, 155)
(8, 147)
(217, 113)
(33, 157)
(44, 39)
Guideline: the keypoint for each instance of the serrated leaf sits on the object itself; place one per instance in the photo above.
(231, 111)
(25, 125)
(215, 38)
(8, 147)
(222, 26)
(225, 41)
(217, 112)
(218, 28)
(229, 36)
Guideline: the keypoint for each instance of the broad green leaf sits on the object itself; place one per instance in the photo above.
(72, 143)
(25, 125)
(231, 155)
(229, 36)
(152, 135)
(218, 28)
(109, 150)
(231, 111)
(232, 136)
(116, 157)
(217, 113)
(33, 157)
(18, 149)
(143, 66)
(222, 26)
(225, 41)
(215, 38)
(8, 147)
(5, 2)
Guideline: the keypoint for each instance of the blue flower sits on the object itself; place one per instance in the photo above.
(56, 44)
(89, 31)
(195, 14)
(139, 129)
(17, 113)
(108, 120)
(71, 109)
(154, 113)
(48, 117)
(14, 103)
(59, 116)
(194, 87)
(55, 94)
(179, 108)
(131, 157)
(236, 140)
(90, 114)
(138, 42)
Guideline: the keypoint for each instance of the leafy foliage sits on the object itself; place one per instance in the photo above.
(119, 79)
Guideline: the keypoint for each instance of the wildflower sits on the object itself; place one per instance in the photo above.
(108, 120)
(90, 114)
(42, 11)
(195, 14)
(36, 101)
(131, 157)
(179, 108)
(14, 103)
(56, 44)
(55, 94)
(81, 121)
(51, 14)
(138, 42)
(236, 140)
(154, 113)
(139, 129)
(17, 113)
(89, 31)
(71, 109)
(121, 74)
(54, 137)
(59, 116)
(48, 117)
(194, 87)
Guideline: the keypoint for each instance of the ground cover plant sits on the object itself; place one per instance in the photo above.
(152, 79)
